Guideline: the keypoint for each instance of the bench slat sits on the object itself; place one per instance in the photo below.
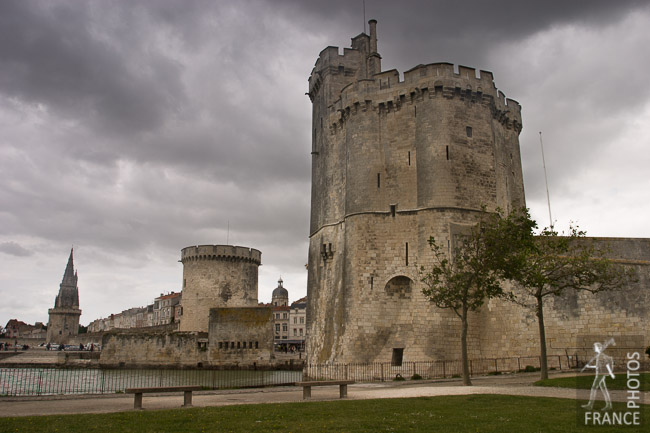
(162, 389)
(325, 382)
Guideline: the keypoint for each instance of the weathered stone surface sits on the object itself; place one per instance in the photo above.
(216, 276)
(396, 161)
(63, 324)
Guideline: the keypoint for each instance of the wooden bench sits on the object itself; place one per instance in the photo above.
(186, 390)
(343, 386)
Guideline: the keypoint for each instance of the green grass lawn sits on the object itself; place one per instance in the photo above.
(472, 413)
(584, 382)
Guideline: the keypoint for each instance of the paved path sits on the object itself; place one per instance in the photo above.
(515, 384)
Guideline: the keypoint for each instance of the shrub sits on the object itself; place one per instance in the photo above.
(530, 369)
(416, 377)
(398, 377)
(494, 373)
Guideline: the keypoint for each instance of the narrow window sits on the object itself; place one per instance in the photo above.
(221, 345)
(407, 254)
(238, 345)
(232, 344)
(250, 344)
(256, 345)
(321, 122)
(378, 180)
(409, 157)
(185, 280)
(447, 149)
(468, 130)
(416, 111)
(392, 209)
(372, 280)
(398, 354)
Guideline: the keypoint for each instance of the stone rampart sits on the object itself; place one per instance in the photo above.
(153, 349)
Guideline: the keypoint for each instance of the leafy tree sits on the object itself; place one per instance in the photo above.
(555, 263)
(83, 329)
(474, 269)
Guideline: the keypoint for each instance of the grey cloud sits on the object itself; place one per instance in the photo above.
(136, 128)
(14, 249)
(51, 54)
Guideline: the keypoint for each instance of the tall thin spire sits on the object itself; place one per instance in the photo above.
(70, 276)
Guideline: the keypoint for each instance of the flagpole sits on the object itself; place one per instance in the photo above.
(548, 197)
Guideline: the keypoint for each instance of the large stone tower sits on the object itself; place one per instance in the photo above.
(216, 276)
(64, 317)
(393, 162)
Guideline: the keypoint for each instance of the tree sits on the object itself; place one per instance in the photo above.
(556, 263)
(479, 261)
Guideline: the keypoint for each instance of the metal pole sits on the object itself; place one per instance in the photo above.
(548, 197)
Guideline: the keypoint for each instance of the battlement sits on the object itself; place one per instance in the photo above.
(359, 62)
(221, 252)
(385, 92)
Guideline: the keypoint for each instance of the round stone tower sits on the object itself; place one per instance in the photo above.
(216, 276)
(395, 161)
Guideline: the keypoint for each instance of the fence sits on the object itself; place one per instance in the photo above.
(383, 371)
(54, 381)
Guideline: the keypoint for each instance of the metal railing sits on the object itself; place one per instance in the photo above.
(56, 381)
(384, 371)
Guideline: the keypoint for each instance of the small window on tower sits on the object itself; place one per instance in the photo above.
(468, 130)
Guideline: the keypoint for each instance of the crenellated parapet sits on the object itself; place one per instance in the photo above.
(227, 253)
(385, 92)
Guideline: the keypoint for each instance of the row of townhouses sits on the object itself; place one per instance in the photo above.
(165, 310)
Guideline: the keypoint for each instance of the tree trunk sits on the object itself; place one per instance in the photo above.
(463, 344)
(542, 338)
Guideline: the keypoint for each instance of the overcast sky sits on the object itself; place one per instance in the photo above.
(132, 129)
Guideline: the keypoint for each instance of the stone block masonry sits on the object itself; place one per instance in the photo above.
(216, 276)
(394, 162)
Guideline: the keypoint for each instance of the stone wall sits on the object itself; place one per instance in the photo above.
(241, 336)
(154, 349)
(396, 161)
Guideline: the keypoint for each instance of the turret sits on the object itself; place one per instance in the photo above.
(374, 59)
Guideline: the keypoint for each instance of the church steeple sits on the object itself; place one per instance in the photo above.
(70, 276)
(68, 291)
(64, 317)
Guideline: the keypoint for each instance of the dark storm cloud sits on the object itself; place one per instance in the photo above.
(135, 128)
(52, 53)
